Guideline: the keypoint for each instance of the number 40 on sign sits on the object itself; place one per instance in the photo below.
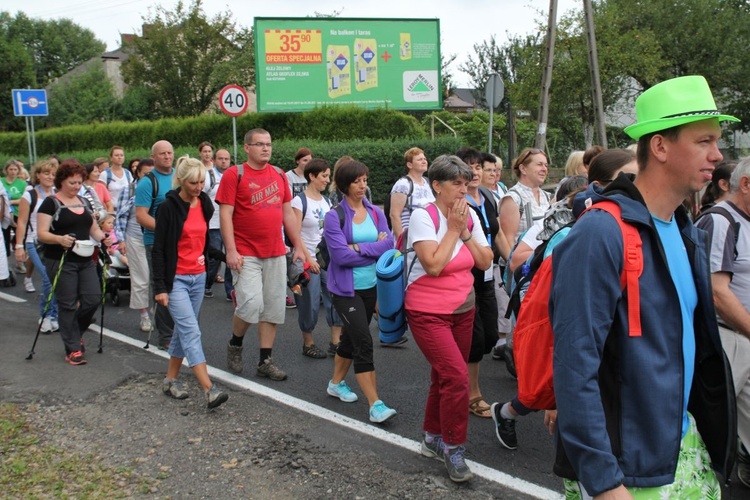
(233, 100)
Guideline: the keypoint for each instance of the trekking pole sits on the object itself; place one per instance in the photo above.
(105, 268)
(151, 330)
(47, 303)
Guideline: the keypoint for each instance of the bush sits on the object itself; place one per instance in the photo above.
(326, 124)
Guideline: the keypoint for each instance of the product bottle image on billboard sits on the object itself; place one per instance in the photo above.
(405, 46)
(366, 63)
(339, 74)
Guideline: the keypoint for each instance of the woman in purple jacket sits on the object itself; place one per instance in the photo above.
(355, 246)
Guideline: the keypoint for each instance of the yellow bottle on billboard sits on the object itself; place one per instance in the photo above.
(339, 71)
(365, 63)
(405, 46)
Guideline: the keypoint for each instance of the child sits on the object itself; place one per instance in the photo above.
(107, 224)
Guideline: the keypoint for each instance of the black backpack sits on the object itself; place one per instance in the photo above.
(387, 204)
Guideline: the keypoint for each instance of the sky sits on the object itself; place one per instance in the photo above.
(462, 23)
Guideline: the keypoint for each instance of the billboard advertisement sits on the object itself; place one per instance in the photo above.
(303, 63)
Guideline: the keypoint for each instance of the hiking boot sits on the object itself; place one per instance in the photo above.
(215, 398)
(234, 358)
(174, 389)
(332, 348)
(313, 351)
(433, 449)
(208, 293)
(505, 428)
(379, 412)
(455, 463)
(145, 324)
(270, 370)
(46, 325)
(743, 466)
(28, 284)
(75, 358)
(341, 391)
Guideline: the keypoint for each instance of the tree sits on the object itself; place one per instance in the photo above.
(56, 46)
(184, 58)
(16, 72)
(82, 98)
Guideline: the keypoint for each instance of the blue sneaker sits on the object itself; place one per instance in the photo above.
(341, 391)
(379, 412)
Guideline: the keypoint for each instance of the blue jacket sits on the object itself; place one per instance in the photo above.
(620, 398)
(344, 259)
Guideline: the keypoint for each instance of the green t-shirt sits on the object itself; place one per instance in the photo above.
(15, 190)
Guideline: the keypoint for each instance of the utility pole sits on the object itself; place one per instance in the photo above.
(596, 84)
(541, 133)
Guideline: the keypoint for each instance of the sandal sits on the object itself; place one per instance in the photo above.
(479, 408)
(219, 279)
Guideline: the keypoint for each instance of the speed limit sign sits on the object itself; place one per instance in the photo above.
(233, 100)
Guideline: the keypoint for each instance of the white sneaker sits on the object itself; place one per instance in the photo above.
(55, 325)
(145, 324)
(46, 325)
(28, 283)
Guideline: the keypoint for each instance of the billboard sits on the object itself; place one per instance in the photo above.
(303, 63)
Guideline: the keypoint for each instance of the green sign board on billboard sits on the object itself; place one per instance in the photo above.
(303, 63)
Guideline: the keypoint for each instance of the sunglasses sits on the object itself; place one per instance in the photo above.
(533, 151)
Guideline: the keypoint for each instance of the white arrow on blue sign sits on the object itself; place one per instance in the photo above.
(30, 102)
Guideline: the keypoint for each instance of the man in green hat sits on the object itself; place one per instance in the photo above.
(647, 413)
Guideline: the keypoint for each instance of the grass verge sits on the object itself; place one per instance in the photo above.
(30, 468)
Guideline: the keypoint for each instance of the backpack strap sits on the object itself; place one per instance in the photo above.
(410, 196)
(212, 175)
(632, 264)
(303, 198)
(728, 216)
(432, 209)
(154, 191)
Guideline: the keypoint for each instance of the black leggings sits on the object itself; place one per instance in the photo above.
(356, 341)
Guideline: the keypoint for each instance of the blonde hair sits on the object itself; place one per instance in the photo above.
(39, 168)
(575, 162)
(105, 218)
(187, 169)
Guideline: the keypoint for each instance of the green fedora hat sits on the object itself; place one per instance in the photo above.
(672, 103)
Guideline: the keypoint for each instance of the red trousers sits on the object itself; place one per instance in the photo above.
(445, 340)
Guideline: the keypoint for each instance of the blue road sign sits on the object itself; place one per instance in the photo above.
(28, 102)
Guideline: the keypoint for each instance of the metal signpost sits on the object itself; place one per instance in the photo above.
(30, 103)
(233, 102)
(494, 90)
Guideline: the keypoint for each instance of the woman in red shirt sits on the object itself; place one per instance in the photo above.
(179, 255)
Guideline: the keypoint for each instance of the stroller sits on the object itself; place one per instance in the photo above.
(117, 276)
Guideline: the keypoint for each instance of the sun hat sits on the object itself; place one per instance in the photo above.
(672, 103)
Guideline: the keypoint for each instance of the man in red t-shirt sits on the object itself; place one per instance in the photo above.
(254, 204)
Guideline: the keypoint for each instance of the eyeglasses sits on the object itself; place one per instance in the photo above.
(533, 151)
(261, 144)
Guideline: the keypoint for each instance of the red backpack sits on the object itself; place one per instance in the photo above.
(533, 335)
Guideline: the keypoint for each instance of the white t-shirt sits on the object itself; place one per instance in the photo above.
(312, 223)
(523, 195)
(421, 228)
(210, 188)
(31, 225)
(297, 184)
(420, 197)
(116, 185)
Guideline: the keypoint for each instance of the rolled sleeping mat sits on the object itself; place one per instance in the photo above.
(391, 315)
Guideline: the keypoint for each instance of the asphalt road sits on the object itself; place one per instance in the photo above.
(403, 378)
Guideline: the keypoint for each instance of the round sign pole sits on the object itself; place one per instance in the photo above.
(233, 102)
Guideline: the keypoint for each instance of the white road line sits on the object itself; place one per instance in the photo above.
(11, 298)
(478, 469)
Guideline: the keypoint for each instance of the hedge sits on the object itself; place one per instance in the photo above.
(325, 124)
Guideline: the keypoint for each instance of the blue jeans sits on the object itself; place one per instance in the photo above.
(46, 283)
(185, 301)
(215, 241)
(308, 304)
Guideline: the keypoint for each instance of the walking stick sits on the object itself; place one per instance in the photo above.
(106, 261)
(46, 305)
